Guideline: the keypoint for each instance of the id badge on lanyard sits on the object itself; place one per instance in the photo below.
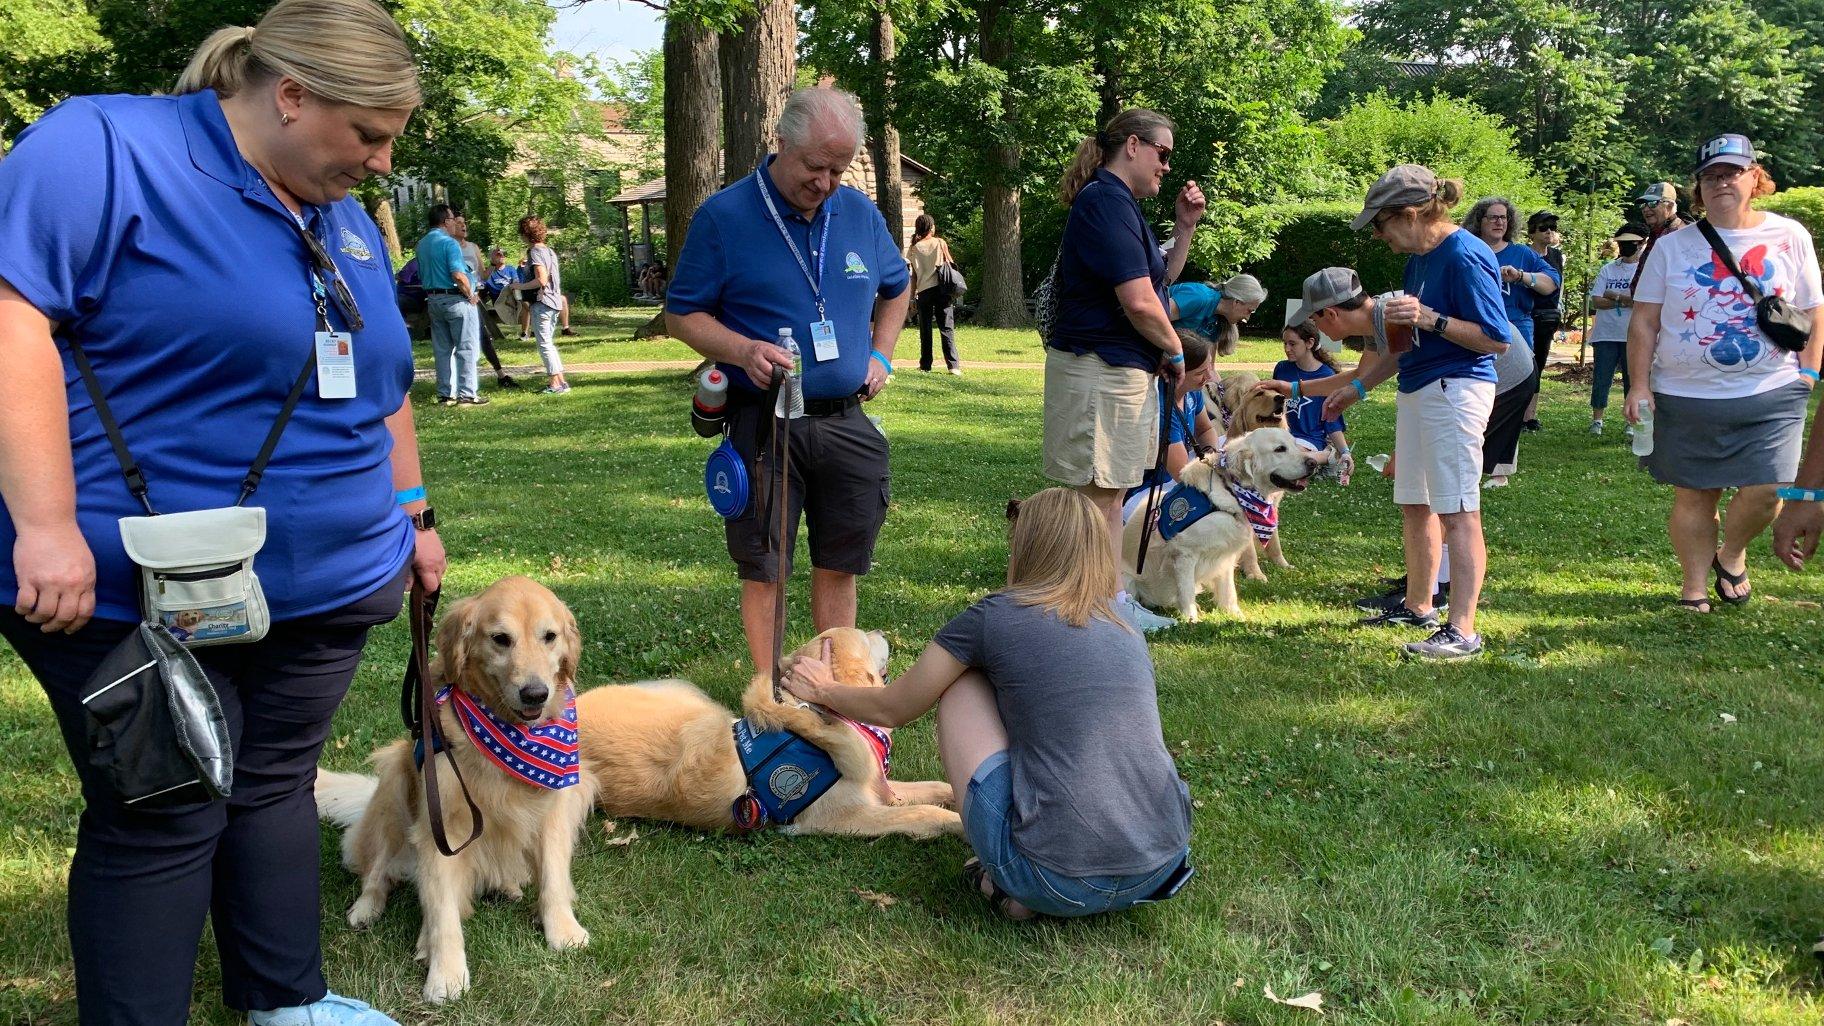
(824, 346)
(335, 350)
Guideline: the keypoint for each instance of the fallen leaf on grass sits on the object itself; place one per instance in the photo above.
(608, 984)
(1239, 982)
(1314, 1001)
(609, 827)
(1677, 1022)
(881, 900)
(629, 837)
(1726, 717)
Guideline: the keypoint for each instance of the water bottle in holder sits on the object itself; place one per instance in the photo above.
(709, 408)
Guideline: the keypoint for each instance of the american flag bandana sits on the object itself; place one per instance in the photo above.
(542, 756)
(877, 738)
(1262, 515)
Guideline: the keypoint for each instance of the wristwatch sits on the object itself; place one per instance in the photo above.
(1437, 326)
(425, 519)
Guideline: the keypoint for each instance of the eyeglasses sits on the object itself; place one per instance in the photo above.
(1165, 152)
(327, 273)
(1380, 220)
(1728, 173)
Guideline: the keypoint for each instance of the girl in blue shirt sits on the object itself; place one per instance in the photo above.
(1305, 361)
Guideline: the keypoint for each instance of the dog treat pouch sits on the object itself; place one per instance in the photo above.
(155, 726)
(196, 576)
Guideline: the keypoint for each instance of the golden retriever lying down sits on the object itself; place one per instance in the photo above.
(665, 750)
(1204, 553)
(513, 649)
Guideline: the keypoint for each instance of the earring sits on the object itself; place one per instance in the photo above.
(284, 118)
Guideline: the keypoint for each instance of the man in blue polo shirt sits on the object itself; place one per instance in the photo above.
(455, 321)
(790, 247)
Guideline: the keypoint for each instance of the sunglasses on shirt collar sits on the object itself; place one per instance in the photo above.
(326, 272)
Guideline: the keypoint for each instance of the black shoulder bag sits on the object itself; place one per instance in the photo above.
(1785, 325)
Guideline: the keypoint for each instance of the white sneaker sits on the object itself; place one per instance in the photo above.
(1142, 618)
(1498, 481)
(1595, 427)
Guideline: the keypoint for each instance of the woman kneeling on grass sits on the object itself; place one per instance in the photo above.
(1047, 725)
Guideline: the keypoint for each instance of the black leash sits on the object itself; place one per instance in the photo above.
(1158, 479)
(418, 707)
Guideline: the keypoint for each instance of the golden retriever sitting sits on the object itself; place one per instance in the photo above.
(1242, 410)
(1204, 552)
(665, 750)
(512, 649)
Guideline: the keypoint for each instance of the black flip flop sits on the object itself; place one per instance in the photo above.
(973, 875)
(1695, 605)
(1732, 580)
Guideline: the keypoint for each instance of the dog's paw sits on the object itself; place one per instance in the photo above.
(564, 932)
(365, 911)
(1255, 575)
(446, 985)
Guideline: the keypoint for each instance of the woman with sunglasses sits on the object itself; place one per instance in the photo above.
(1727, 405)
(1113, 338)
(111, 208)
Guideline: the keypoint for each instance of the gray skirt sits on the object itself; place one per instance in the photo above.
(1728, 443)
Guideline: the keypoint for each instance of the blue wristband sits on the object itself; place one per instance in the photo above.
(1294, 396)
(1361, 390)
(884, 362)
(1801, 494)
(409, 495)
(1176, 358)
(1807, 372)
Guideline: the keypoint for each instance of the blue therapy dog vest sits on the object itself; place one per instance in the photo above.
(785, 773)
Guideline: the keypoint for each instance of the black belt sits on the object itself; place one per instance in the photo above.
(443, 292)
(812, 407)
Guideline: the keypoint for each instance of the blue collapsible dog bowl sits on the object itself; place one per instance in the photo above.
(725, 480)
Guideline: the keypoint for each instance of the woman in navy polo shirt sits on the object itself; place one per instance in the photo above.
(111, 209)
(1113, 334)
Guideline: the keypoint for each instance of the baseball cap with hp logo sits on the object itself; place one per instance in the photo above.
(1725, 149)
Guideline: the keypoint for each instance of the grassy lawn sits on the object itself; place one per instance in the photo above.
(605, 334)
(1568, 831)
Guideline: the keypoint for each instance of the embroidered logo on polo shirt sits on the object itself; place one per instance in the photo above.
(853, 265)
(355, 246)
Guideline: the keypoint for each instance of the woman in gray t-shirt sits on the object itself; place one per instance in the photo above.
(1047, 724)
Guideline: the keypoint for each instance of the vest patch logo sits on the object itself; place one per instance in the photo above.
(1179, 509)
(789, 782)
(355, 246)
(853, 265)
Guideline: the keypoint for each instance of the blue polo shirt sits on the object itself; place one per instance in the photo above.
(1106, 242)
(439, 258)
(112, 209)
(736, 268)
(1458, 279)
(1518, 300)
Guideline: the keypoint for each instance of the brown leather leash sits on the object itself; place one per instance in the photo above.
(418, 707)
(781, 445)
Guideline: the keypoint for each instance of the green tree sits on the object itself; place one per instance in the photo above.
(34, 35)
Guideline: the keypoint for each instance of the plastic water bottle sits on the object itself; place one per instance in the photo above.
(710, 406)
(1643, 431)
(791, 397)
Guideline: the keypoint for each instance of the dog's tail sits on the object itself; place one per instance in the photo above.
(342, 798)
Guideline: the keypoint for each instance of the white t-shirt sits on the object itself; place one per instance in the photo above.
(1612, 325)
(1709, 344)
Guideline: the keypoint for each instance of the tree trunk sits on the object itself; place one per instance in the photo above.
(759, 62)
(381, 211)
(1003, 302)
(1108, 87)
(691, 101)
(884, 142)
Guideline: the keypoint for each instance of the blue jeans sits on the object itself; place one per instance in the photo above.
(456, 345)
(1609, 355)
(988, 824)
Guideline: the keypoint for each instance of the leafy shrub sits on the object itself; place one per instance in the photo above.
(1317, 235)
(1453, 137)
(1805, 206)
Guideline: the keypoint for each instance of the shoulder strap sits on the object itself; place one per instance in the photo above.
(1722, 250)
(418, 707)
(258, 470)
(129, 469)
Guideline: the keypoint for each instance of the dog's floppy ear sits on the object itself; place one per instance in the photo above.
(880, 650)
(570, 646)
(453, 634)
(1241, 458)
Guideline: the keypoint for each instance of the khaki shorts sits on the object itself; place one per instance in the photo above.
(1101, 422)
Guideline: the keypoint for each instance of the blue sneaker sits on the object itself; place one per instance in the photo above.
(333, 1010)
(1141, 618)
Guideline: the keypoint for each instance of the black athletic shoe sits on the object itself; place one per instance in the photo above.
(506, 381)
(1533, 425)
(1400, 616)
(1395, 597)
(473, 400)
(1446, 645)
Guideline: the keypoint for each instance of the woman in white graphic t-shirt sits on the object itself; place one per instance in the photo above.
(1728, 405)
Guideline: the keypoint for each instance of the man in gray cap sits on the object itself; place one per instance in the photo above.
(1659, 211)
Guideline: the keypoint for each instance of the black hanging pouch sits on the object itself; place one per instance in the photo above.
(1785, 325)
(155, 726)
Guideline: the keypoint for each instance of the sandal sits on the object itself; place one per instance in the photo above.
(1697, 605)
(974, 873)
(1737, 581)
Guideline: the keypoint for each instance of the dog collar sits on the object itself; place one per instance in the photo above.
(542, 756)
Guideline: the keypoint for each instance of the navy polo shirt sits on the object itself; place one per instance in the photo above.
(1106, 242)
(736, 268)
(112, 210)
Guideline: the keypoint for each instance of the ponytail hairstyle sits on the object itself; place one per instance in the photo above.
(343, 51)
(1308, 333)
(924, 226)
(1094, 150)
(1224, 335)
(1449, 194)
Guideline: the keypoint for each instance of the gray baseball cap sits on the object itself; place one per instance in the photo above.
(1325, 289)
(1405, 185)
(1658, 192)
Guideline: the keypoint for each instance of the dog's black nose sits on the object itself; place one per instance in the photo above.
(534, 694)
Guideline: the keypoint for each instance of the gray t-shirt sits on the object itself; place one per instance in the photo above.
(1095, 792)
(552, 294)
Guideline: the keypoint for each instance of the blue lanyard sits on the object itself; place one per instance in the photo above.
(822, 255)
